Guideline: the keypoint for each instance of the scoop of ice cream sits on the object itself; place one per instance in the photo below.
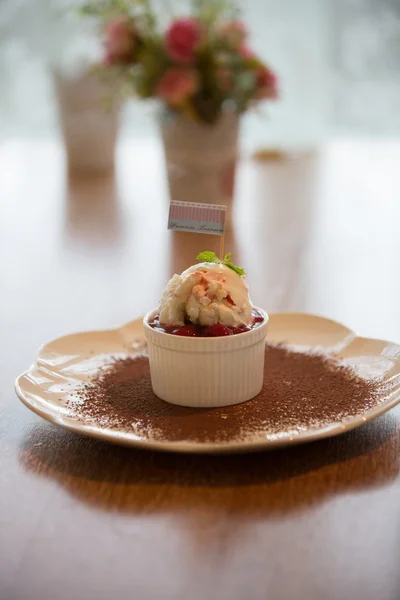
(206, 294)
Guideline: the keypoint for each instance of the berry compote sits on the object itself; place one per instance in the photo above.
(218, 330)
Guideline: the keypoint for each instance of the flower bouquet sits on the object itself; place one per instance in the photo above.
(202, 70)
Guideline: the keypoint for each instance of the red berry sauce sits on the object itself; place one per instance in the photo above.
(218, 330)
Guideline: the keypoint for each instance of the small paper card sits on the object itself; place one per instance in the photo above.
(199, 218)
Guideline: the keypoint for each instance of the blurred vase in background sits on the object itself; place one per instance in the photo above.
(57, 48)
(201, 70)
(200, 158)
(89, 128)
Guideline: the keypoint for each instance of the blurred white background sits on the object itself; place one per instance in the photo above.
(338, 63)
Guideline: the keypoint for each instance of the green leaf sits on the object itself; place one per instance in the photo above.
(211, 257)
(237, 270)
(206, 256)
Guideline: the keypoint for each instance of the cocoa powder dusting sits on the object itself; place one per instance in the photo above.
(300, 391)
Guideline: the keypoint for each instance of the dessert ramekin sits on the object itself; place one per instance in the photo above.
(206, 372)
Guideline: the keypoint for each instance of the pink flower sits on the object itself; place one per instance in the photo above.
(233, 32)
(177, 85)
(246, 52)
(267, 84)
(182, 40)
(119, 40)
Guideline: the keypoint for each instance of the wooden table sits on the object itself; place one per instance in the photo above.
(80, 519)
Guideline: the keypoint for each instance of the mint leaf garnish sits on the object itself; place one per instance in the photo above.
(237, 270)
(211, 257)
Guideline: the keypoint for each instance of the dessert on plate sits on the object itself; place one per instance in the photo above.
(206, 341)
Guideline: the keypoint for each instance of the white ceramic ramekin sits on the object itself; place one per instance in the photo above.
(204, 372)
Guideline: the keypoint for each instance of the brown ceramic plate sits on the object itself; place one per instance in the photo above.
(64, 365)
